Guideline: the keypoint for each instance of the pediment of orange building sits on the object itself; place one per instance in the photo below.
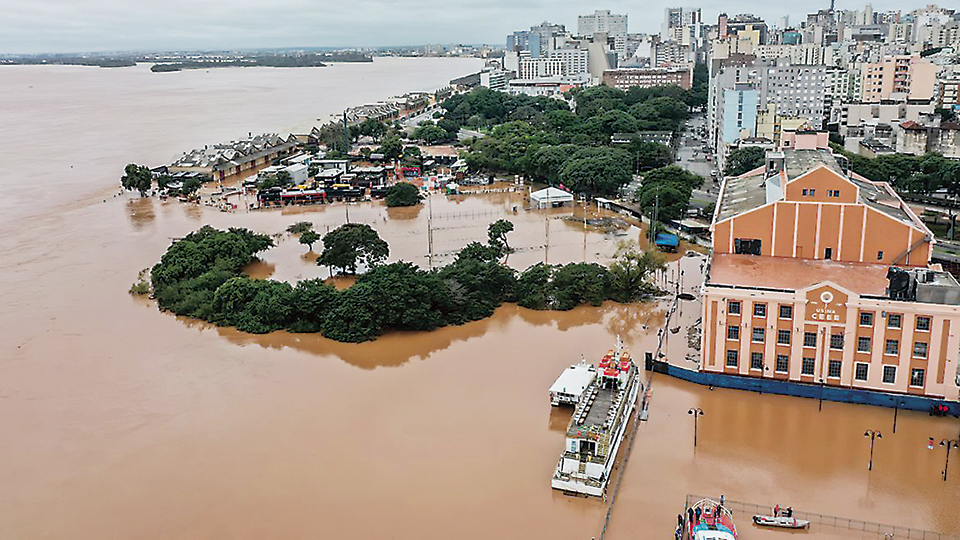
(827, 302)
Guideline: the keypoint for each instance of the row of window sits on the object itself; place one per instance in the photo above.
(891, 347)
(894, 320)
(834, 368)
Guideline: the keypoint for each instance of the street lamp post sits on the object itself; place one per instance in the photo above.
(949, 444)
(697, 412)
(874, 435)
(897, 402)
(820, 405)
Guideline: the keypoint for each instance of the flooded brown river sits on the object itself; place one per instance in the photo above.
(123, 422)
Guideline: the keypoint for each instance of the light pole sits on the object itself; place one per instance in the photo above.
(697, 412)
(820, 405)
(949, 444)
(897, 402)
(874, 435)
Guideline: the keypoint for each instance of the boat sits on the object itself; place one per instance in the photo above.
(570, 386)
(781, 521)
(706, 519)
(598, 426)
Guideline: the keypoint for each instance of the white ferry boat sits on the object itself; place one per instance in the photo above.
(598, 426)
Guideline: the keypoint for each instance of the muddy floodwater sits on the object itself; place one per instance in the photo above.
(120, 421)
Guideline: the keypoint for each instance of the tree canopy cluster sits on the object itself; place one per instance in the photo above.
(544, 140)
(744, 160)
(201, 276)
(666, 192)
(137, 177)
(403, 194)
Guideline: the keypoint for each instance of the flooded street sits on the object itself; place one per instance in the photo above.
(124, 422)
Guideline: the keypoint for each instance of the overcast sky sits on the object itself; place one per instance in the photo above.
(32, 26)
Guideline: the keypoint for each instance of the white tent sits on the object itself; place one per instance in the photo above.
(551, 197)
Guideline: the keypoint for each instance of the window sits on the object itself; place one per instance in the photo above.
(786, 312)
(923, 324)
(920, 349)
(747, 246)
(879, 255)
(892, 347)
(833, 193)
(866, 318)
(916, 376)
(833, 369)
(732, 357)
(804, 192)
(733, 332)
(893, 320)
(809, 339)
(889, 374)
(861, 370)
(756, 360)
(807, 367)
(836, 341)
(863, 344)
(783, 337)
(759, 334)
(733, 307)
(783, 363)
(813, 192)
(759, 310)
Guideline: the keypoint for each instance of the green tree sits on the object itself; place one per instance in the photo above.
(497, 235)
(189, 186)
(300, 227)
(136, 177)
(308, 238)
(629, 271)
(431, 134)
(669, 201)
(391, 147)
(350, 245)
(603, 173)
(312, 298)
(650, 154)
(581, 283)
(403, 194)
(744, 160)
(535, 289)
(372, 127)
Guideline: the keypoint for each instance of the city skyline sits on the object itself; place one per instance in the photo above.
(56, 26)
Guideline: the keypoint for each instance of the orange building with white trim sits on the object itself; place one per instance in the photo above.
(819, 275)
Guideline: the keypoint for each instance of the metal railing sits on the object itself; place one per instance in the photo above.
(744, 511)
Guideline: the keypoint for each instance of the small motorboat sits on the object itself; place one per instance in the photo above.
(781, 521)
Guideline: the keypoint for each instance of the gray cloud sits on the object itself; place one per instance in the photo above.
(31, 26)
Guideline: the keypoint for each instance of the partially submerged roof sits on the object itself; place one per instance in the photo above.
(552, 194)
(793, 274)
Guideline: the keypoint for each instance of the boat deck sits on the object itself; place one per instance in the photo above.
(600, 410)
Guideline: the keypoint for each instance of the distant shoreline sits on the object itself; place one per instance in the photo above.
(166, 64)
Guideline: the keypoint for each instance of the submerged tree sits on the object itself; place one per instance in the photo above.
(403, 194)
(629, 271)
(497, 235)
(136, 177)
(350, 245)
(308, 238)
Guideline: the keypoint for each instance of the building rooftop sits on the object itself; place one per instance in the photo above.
(749, 191)
(792, 274)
